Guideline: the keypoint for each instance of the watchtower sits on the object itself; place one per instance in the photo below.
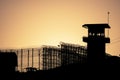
(96, 41)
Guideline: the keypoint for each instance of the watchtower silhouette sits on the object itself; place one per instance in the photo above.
(96, 43)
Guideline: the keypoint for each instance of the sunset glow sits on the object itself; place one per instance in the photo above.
(32, 23)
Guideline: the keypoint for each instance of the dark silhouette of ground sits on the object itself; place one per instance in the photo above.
(75, 71)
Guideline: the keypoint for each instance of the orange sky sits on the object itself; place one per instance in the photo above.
(26, 23)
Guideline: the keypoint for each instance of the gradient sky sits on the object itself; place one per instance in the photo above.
(32, 23)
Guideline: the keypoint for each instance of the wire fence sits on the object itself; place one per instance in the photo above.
(31, 57)
(48, 57)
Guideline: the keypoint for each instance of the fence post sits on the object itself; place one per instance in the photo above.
(39, 59)
(32, 57)
(28, 57)
(21, 59)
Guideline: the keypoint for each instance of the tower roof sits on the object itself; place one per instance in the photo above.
(96, 26)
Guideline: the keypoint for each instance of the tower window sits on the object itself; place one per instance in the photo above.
(102, 34)
(90, 34)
